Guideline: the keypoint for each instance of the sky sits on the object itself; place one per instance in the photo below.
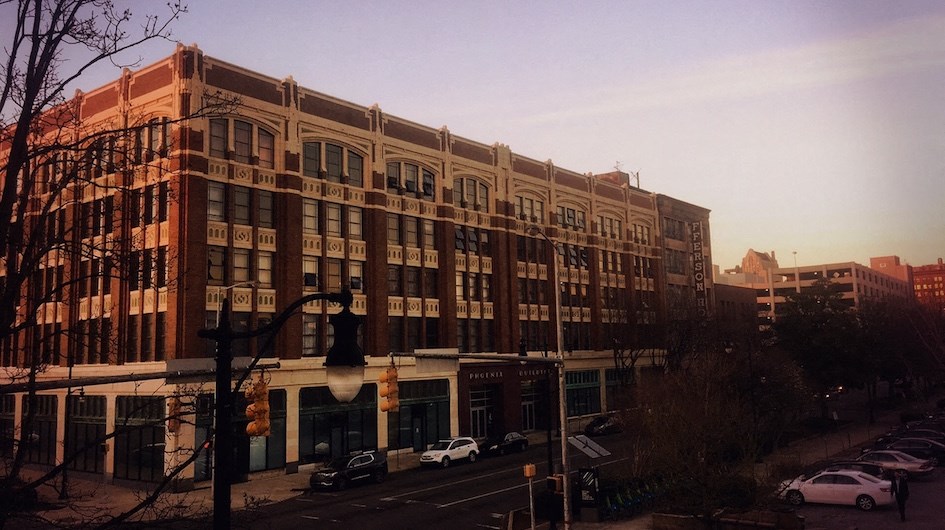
(815, 127)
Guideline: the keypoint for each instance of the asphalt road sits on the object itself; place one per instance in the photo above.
(463, 496)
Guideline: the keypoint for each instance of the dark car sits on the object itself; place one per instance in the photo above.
(606, 424)
(340, 472)
(512, 442)
(920, 448)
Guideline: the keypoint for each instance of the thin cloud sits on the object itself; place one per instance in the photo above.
(908, 46)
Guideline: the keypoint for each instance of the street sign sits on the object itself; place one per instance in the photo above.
(588, 446)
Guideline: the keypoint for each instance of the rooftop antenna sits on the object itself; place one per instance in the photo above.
(635, 175)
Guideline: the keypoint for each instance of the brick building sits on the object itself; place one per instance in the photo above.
(298, 192)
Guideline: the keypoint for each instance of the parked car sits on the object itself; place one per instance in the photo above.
(854, 465)
(920, 448)
(342, 471)
(509, 443)
(838, 487)
(444, 452)
(606, 424)
(895, 460)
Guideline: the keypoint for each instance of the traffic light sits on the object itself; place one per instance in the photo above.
(388, 389)
(258, 410)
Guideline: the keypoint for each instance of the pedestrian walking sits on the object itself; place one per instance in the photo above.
(900, 490)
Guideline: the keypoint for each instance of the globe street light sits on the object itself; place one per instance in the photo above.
(562, 389)
(344, 359)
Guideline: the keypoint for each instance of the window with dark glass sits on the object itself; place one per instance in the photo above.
(309, 272)
(242, 141)
(333, 162)
(355, 170)
(309, 216)
(393, 177)
(241, 210)
(266, 149)
(309, 334)
(334, 219)
(413, 281)
(355, 223)
(394, 281)
(410, 177)
(430, 288)
(311, 158)
(242, 270)
(216, 201)
(266, 209)
(393, 229)
(334, 275)
(429, 185)
(216, 257)
(460, 239)
(429, 234)
(412, 231)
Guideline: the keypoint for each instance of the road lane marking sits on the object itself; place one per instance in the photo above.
(481, 496)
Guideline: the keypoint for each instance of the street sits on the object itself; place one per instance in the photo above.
(468, 496)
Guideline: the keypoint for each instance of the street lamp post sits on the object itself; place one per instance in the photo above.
(344, 356)
(221, 295)
(562, 389)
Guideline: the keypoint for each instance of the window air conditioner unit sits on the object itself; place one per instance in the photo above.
(310, 279)
(356, 283)
(393, 183)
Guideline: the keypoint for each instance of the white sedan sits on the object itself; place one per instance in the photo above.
(839, 487)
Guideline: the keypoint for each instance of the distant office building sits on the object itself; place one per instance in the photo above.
(929, 285)
(886, 278)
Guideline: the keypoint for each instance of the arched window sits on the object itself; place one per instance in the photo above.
(470, 193)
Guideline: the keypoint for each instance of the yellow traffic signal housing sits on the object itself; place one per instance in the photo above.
(388, 390)
(258, 410)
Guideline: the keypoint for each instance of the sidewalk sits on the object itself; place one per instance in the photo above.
(89, 497)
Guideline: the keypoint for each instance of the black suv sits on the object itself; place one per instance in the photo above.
(347, 469)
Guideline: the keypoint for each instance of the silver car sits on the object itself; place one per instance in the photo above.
(444, 452)
(895, 460)
(838, 487)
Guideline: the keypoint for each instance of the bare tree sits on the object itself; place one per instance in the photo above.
(71, 198)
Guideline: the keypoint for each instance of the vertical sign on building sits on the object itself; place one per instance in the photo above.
(698, 263)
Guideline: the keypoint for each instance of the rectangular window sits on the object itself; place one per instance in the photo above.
(410, 177)
(413, 281)
(264, 262)
(309, 272)
(460, 285)
(241, 210)
(355, 170)
(216, 273)
(429, 186)
(309, 335)
(334, 219)
(430, 288)
(356, 275)
(160, 266)
(311, 158)
(334, 275)
(355, 223)
(394, 282)
(216, 201)
(460, 239)
(266, 149)
(242, 141)
(333, 161)
(309, 216)
(266, 209)
(393, 177)
(429, 235)
(241, 265)
(486, 287)
(393, 229)
(412, 231)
